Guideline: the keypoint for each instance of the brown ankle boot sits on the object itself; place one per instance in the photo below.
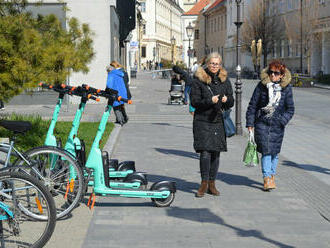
(202, 189)
(212, 189)
(266, 183)
(272, 184)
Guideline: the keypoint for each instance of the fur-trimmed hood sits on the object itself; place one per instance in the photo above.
(284, 81)
(202, 75)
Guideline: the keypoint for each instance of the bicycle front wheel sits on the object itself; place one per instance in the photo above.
(62, 175)
(19, 192)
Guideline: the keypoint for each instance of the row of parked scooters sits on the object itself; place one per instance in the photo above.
(106, 177)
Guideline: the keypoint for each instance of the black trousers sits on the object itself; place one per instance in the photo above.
(209, 164)
(120, 113)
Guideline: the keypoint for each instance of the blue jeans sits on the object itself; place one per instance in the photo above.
(269, 164)
(187, 89)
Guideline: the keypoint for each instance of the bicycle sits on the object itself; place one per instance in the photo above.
(23, 199)
(55, 167)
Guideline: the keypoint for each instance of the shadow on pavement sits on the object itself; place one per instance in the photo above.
(232, 179)
(204, 215)
(182, 185)
(167, 124)
(308, 167)
(178, 153)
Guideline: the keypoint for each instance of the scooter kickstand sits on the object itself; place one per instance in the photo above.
(91, 206)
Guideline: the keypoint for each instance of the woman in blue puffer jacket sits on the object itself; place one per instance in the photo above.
(270, 109)
(116, 82)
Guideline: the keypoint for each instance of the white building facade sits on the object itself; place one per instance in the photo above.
(103, 21)
(159, 36)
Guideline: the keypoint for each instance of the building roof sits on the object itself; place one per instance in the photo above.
(215, 4)
(197, 7)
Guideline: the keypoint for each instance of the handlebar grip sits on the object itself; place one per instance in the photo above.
(47, 86)
(119, 98)
(90, 96)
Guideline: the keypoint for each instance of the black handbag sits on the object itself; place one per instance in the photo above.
(228, 124)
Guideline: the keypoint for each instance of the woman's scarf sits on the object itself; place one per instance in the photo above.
(274, 95)
(214, 76)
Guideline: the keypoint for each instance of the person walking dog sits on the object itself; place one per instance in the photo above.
(270, 109)
(211, 93)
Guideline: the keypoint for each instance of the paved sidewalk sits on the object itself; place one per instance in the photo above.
(159, 138)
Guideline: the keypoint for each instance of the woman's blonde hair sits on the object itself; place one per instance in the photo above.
(115, 64)
(212, 56)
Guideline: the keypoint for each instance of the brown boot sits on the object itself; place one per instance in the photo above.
(266, 183)
(212, 189)
(202, 189)
(272, 184)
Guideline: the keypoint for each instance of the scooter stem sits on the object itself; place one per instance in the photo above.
(50, 137)
(72, 138)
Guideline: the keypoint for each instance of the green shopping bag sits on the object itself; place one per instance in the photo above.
(250, 157)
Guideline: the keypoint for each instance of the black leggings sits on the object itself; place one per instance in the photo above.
(209, 164)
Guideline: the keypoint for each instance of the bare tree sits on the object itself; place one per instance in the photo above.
(260, 23)
(300, 29)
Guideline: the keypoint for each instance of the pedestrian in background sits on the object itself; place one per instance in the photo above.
(129, 95)
(270, 109)
(211, 93)
(116, 82)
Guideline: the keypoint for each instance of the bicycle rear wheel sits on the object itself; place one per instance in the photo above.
(17, 229)
(61, 174)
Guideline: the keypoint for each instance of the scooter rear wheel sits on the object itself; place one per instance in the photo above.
(163, 202)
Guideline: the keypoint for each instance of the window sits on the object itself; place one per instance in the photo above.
(288, 47)
(143, 51)
(274, 49)
(143, 6)
(143, 29)
(281, 48)
(196, 34)
(290, 7)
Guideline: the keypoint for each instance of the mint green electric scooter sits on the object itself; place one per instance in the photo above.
(76, 147)
(161, 193)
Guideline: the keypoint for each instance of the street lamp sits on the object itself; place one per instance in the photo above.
(238, 83)
(301, 36)
(189, 30)
(173, 44)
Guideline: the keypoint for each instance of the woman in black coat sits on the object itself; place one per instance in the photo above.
(270, 109)
(211, 93)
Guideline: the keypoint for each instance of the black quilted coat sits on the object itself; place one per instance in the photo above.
(269, 131)
(208, 128)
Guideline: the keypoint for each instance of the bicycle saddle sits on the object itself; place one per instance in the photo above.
(16, 126)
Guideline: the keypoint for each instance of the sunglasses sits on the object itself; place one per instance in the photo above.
(214, 64)
(276, 73)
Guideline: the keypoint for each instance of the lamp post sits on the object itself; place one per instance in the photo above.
(238, 83)
(189, 30)
(301, 36)
(173, 44)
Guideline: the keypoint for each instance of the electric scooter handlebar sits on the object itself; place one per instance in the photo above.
(86, 92)
(60, 88)
(111, 94)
